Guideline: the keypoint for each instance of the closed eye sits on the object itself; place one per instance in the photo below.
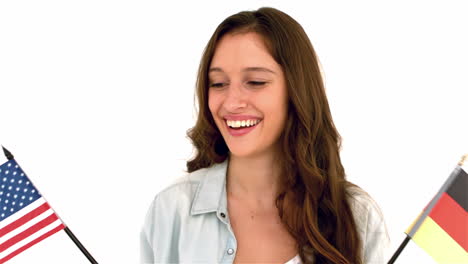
(252, 83)
(217, 85)
(256, 83)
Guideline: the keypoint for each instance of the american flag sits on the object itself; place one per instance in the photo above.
(25, 217)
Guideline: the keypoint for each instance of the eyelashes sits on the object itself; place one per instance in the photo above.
(250, 83)
(256, 83)
(217, 85)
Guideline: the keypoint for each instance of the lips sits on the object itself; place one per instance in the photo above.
(240, 131)
(240, 117)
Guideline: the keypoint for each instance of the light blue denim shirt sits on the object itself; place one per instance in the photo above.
(188, 222)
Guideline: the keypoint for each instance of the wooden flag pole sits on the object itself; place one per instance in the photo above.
(8, 155)
(400, 248)
(79, 245)
(75, 240)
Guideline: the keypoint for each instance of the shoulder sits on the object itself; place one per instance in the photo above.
(166, 213)
(172, 202)
(371, 225)
(180, 192)
(364, 208)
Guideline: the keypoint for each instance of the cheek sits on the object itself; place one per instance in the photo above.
(276, 111)
(211, 103)
(214, 103)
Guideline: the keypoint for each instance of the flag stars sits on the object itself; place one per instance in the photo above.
(16, 190)
(9, 164)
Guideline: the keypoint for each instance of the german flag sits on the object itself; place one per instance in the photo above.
(442, 228)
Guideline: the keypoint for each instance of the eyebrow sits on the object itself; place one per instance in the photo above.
(248, 69)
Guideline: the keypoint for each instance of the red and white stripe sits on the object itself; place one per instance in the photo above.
(26, 228)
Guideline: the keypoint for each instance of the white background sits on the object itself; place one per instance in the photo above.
(96, 97)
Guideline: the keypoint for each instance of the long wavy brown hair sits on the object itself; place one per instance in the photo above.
(314, 200)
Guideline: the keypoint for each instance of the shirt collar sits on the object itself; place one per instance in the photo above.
(211, 192)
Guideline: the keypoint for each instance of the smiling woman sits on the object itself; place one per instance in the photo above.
(246, 86)
(266, 184)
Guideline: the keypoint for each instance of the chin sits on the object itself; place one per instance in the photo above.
(241, 152)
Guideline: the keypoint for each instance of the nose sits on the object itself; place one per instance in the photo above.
(236, 98)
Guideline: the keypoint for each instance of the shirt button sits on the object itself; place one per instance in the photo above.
(223, 215)
(230, 251)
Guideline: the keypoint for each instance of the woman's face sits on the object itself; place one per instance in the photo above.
(247, 95)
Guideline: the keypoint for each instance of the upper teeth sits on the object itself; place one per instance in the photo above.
(241, 123)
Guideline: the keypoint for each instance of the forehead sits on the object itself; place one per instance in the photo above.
(242, 50)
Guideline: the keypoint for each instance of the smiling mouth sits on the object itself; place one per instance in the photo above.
(240, 124)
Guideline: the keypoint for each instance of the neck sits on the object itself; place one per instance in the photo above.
(253, 178)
